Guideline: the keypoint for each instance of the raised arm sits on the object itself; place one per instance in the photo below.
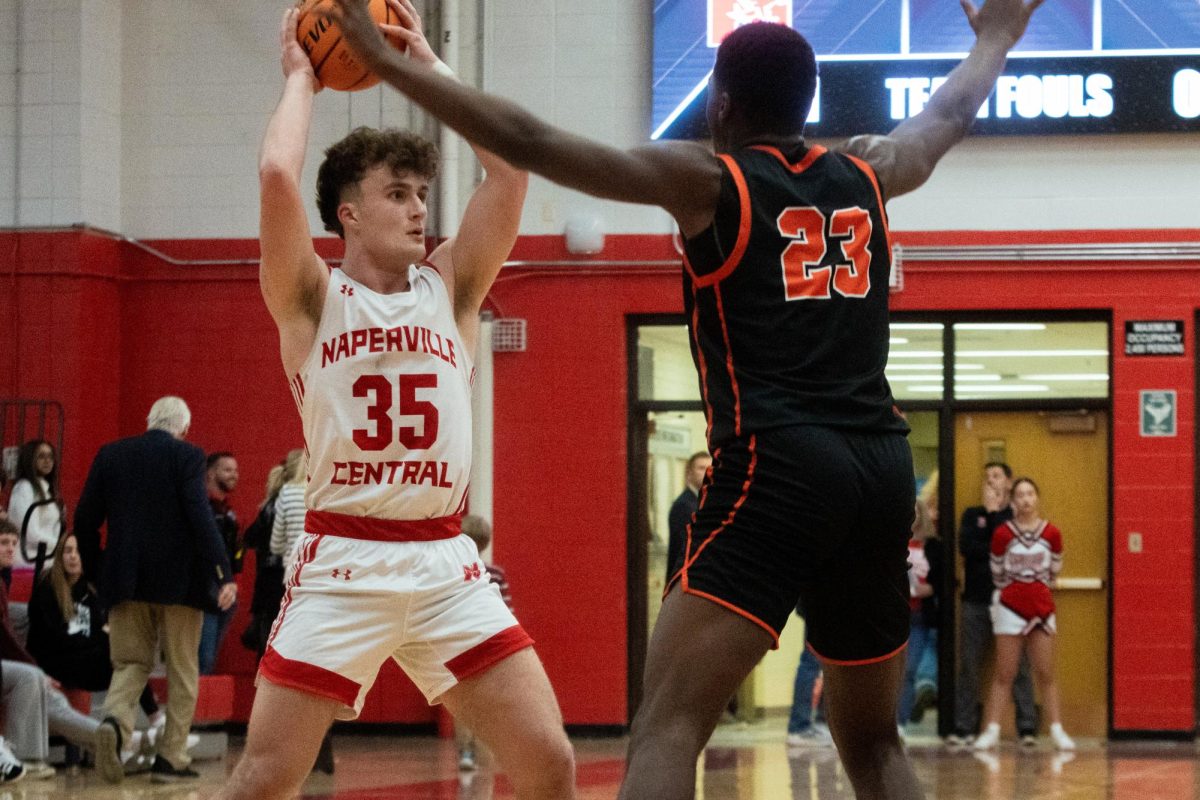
(905, 159)
(292, 277)
(683, 178)
(472, 258)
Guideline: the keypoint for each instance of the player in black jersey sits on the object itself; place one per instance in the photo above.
(785, 286)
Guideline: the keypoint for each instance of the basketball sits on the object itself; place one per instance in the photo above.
(335, 64)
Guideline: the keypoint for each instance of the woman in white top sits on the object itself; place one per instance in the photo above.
(37, 480)
(289, 509)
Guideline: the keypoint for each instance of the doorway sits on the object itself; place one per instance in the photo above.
(1067, 456)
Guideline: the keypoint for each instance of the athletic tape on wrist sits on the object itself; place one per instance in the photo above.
(440, 68)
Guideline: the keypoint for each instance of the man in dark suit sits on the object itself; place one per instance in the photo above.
(682, 509)
(162, 564)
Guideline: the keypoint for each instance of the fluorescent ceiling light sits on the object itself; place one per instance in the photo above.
(965, 378)
(897, 340)
(1078, 376)
(917, 326)
(999, 326)
(916, 354)
(981, 390)
(1029, 353)
(928, 367)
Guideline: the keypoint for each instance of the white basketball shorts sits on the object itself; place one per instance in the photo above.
(351, 603)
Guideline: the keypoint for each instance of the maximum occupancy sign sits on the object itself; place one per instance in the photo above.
(1084, 66)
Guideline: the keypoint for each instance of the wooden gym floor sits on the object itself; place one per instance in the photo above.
(742, 763)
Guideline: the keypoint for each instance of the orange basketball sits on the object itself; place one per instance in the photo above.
(335, 64)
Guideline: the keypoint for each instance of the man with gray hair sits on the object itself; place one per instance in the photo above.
(162, 565)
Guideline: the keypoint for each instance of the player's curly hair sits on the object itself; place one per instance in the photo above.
(348, 160)
(770, 74)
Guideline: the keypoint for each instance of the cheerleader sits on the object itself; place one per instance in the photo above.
(1026, 557)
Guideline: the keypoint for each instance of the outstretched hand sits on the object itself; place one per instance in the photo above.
(1005, 19)
(359, 29)
(365, 35)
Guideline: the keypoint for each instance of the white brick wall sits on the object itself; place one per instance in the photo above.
(145, 116)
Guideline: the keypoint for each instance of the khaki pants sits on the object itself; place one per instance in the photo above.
(135, 630)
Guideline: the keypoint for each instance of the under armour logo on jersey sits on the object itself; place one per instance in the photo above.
(341, 573)
(471, 572)
(348, 290)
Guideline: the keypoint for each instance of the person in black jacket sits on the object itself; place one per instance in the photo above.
(222, 479)
(163, 564)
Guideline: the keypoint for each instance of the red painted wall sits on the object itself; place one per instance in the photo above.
(106, 328)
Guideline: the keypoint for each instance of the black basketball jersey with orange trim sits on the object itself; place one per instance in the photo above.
(787, 295)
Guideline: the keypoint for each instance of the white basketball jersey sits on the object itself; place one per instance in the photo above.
(385, 397)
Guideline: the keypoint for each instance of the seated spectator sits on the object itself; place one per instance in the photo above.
(68, 629)
(35, 706)
(37, 481)
(289, 510)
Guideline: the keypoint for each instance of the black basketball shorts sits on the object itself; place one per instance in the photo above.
(809, 513)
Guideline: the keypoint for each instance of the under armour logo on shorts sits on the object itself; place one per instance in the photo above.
(471, 573)
(348, 290)
(341, 573)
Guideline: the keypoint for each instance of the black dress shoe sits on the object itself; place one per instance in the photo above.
(163, 772)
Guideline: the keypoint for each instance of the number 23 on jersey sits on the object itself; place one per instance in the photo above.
(811, 231)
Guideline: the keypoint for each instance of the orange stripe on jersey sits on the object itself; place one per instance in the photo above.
(743, 237)
(732, 512)
(814, 152)
(737, 395)
(708, 409)
(862, 663)
(687, 547)
(869, 171)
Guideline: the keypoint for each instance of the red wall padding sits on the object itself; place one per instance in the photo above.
(105, 329)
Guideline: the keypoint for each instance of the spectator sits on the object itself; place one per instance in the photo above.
(288, 526)
(1026, 557)
(682, 510)
(975, 639)
(919, 690)
(68, 634)
(477, 529)
(163, 563)
(268, 567)
(37, 481)
(221, 479)
(35, 707)
(802, 731)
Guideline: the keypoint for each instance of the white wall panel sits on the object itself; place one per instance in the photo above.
(145, 116)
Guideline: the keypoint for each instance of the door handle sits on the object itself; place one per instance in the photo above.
(1075, 584)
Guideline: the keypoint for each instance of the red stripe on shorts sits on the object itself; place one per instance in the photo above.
(308, 552)
(308, 678)
(371, 529)
(488, 653)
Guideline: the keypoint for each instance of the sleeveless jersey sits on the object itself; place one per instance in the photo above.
(787, 295)
(1023, 564)
(385, 398)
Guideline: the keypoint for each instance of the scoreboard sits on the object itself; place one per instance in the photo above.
(1084, 66)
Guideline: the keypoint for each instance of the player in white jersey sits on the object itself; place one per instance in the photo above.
(379, 358)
